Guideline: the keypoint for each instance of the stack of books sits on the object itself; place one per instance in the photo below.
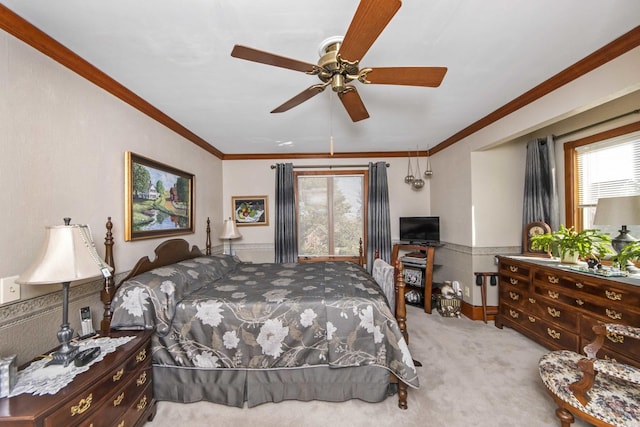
(415, 259)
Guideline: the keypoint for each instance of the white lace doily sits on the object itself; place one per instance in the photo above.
(39, 379)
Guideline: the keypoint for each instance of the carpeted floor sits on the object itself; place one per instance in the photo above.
(474, 374)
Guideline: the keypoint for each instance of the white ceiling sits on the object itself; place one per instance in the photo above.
(176, 55)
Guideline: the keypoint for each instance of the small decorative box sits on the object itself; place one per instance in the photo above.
(8, 374)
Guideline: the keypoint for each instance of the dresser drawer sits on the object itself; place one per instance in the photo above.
(508, 268)
(556, 336)
(589, 286)
(116, 405)
(552, 312)
(513, 296)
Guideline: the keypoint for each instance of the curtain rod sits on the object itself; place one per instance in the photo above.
(328, 166)
(597, 124)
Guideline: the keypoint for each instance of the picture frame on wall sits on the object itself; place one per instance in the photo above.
(250, 210)
(159, 199)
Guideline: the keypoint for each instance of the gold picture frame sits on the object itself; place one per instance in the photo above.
(250, 210)
(159, 199)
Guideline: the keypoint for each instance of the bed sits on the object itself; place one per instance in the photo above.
(241, 333)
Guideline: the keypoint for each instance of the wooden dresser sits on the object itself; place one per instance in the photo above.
(117, 391)
(557, 306)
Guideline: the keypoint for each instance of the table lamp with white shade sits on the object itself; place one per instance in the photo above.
(230, 232)
(67, 255)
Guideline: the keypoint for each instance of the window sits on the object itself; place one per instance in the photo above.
(605, 165)
(331, 213)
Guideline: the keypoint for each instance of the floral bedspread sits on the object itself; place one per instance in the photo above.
(216, 312)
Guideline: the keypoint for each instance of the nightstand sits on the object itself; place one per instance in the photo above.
(117, 391)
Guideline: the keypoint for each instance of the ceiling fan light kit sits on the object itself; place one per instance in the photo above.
(340, 58)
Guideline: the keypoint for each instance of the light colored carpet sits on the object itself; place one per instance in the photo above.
(474, 374)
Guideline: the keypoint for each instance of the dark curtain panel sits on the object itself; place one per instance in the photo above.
(540, 186)
(378, 220)
(286, 244)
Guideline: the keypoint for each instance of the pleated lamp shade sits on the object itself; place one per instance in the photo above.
(68, 254)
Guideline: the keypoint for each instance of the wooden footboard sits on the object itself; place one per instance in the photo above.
(401, 317)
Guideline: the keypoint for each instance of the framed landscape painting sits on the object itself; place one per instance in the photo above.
(250, 210)
(158, 199)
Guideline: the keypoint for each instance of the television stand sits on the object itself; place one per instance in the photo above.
(425, 287)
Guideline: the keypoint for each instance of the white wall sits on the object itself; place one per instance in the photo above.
(62, 145)
(488, 185)
(255, 177)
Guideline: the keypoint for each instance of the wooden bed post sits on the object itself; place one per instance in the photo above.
(108, 290)
(401, 317)
(207, 249)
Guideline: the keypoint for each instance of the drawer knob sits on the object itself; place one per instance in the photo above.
(612, 359)
(613, 295)
(116, 377)
(532, 300)
(579, 285)
(142, 403)
(513, 281)
(553, 334)
(82, 406)
(553, 279)
(579, 302)
(514, 296)
(142, 379)
(514, 314)
(615, 338)
(513, 268)
(118, 400)
(614, 314)
(553, 312)
(532, 319)
(142, 355)
(121, 424)
(553, 294)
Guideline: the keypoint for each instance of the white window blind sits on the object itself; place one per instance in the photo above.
(609, 168)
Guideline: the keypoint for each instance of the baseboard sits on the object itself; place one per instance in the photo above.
(475, 312)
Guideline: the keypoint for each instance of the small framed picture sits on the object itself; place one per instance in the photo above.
(250, 210)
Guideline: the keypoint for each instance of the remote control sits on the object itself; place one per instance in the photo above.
(86, 356)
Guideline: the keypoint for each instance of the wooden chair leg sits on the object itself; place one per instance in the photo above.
(565, 417)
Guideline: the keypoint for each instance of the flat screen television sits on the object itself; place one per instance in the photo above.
(420, 229)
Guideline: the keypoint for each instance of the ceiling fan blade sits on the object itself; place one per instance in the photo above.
(371, 17)
(409, 76)
(308, 93)
(263, 57)
(353, 104)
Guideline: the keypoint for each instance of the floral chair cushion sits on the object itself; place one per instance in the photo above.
(613, 400)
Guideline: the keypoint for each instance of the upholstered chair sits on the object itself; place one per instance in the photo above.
(601, 391)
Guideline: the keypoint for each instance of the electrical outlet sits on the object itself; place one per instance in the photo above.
(9, 289)
(467, 291)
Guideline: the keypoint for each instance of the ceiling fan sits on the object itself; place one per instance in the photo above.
(339, 62)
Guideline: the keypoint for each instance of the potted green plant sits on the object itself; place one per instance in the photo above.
(631, 252)
(570, 244)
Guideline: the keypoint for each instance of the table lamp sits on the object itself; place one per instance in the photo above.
(619, 211)
(230, 232)
(67, 255)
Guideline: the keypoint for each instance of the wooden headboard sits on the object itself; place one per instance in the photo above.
(167, 252)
